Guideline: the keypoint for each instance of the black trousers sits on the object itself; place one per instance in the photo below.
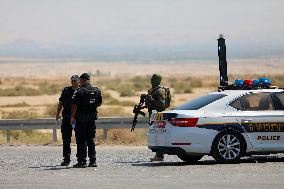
(85, 132)
(66, 131)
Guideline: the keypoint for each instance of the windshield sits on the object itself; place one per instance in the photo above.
(200, 102)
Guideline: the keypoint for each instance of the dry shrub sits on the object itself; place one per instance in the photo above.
(2, 137)
(278, 80)
(127, 93)
(141, 83)
(124, 136)
(182, 87)
(50, 89)
(28, 137)
(106, 95)
(19, 91)
(20, 115)
(21, 104)
(50, 110)
(109, 100)
(116, 102)
(112, 112)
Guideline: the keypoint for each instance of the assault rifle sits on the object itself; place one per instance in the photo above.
(137, 110)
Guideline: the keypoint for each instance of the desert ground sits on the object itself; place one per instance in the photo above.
(31, 88)
(30, 72)
(51, 69)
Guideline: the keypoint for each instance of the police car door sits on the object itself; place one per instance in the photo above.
(278, 99)
(262, 121)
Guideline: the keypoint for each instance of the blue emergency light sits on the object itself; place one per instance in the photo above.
(265, 81)
(255, 83)
(239, 82)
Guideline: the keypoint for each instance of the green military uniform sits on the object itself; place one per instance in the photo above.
(156, 100)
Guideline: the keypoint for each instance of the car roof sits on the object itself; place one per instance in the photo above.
(230, 95)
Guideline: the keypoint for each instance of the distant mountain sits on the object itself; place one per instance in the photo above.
(26, 48)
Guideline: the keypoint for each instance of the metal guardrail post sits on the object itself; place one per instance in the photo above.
(105, 134)
(8, 134)
(54, 135)
(105, 123)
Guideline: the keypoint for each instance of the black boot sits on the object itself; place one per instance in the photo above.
(80, 165)
(92, 164)
(65, 163)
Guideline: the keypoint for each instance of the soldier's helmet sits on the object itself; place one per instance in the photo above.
(156, 80)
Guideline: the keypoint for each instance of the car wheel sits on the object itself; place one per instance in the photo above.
(228, 147)
(190, 158)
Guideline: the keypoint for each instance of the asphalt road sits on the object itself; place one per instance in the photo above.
(28, 167)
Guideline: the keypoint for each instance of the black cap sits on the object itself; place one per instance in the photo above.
(75, 78)
(85, 76)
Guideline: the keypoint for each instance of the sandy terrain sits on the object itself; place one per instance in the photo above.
(56, 69)
(31, 100)
(29, 73)
(38, 104)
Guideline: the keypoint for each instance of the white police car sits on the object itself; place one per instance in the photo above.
(242, 119)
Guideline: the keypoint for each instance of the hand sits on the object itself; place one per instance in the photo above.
(57, 117)
(143, 96)
(149, 98)
(72, 120)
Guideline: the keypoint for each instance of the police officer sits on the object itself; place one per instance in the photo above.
(65, 101)
(84, 113)
(158, 99)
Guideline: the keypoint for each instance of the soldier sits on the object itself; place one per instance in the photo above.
(158, 98)
(65, 101)
(84, 113)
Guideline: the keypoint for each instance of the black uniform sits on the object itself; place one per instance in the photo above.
(87, 99)
(66, 128)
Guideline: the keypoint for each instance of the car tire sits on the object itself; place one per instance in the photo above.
(228, 147)
(190, 158)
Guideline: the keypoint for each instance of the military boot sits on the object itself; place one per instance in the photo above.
(80, 165)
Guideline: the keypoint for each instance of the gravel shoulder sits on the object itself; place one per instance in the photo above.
(128, 167)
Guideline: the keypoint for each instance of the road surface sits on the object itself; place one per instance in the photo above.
(29, 167)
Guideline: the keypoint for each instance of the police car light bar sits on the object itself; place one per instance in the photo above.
(239, 84)
(248, 84)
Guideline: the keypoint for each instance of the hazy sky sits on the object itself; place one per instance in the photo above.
(140, 21)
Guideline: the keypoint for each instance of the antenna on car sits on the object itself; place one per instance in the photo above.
(239, 84)
(222, 61)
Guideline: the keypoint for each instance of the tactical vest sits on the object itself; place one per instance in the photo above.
(89, 99)
(166, 102)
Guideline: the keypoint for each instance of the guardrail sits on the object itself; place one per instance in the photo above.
(51, 123)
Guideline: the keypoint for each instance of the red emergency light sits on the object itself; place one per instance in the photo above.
(248, 82)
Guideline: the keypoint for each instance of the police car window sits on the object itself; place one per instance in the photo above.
(254, 102)
(280, 96)
(200, 102)
(237, 104)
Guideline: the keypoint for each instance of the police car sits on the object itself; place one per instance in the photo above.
(241, 119)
